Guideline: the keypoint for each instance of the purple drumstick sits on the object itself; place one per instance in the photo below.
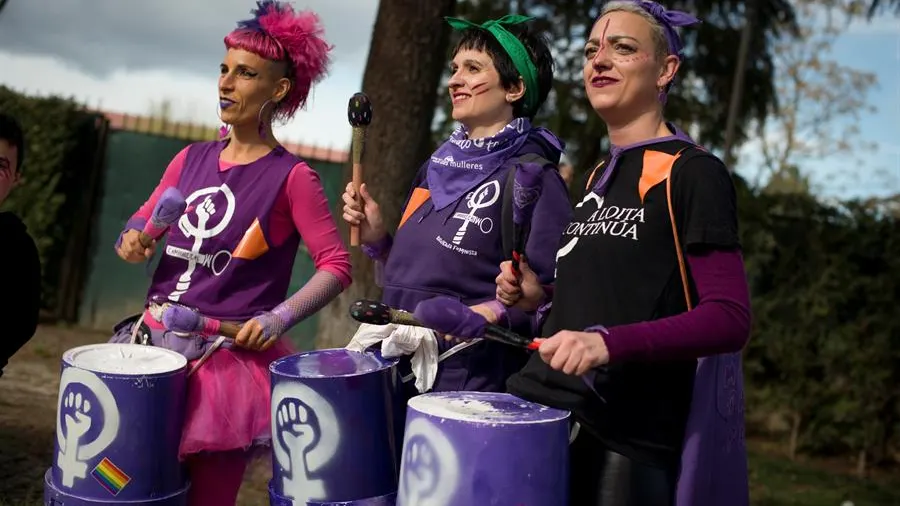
(527, 186)
(185, 320)
(168, 209)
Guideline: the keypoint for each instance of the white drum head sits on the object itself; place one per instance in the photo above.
(125, 359)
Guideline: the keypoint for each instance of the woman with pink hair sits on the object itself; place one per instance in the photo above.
(230, 257)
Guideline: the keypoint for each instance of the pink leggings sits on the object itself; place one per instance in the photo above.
(216, 477)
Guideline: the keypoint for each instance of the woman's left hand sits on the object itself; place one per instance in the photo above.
(481, 309)
(253, 336)
(486, 312)
(574, 352)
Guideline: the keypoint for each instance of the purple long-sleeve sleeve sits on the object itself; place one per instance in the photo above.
(379, 252)
(720, 322)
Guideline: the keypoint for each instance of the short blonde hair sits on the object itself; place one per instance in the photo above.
(660, 43)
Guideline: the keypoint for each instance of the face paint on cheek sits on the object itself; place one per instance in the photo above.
(480, 89)
(630, 59)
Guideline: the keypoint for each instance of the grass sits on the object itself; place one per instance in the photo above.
(776, 481)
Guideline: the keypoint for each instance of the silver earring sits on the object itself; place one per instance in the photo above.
(262, 127)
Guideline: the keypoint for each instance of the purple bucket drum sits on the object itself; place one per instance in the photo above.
(118, 426)
(468, 448)
(333, 429)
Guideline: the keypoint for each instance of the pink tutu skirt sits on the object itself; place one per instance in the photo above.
(228, 400)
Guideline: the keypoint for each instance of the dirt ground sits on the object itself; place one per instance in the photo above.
(28, 396)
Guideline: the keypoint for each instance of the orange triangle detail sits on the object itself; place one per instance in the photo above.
(657, 167)
(253, 245)
(419, 196)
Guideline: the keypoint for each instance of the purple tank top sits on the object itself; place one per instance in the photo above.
(219, 257)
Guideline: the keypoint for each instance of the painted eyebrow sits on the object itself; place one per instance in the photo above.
(239, 66)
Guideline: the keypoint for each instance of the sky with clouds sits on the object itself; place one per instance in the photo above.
(126, 56)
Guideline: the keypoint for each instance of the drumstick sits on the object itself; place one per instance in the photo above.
(188, 321)
(378, 313)
(168, 209)
(359, 112)
(527, 186)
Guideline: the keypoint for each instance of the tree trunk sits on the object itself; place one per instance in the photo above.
(795, 435)
(737, 87)
(406, 57)
(861, 464)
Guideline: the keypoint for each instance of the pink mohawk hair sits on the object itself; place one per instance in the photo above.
(278, 33)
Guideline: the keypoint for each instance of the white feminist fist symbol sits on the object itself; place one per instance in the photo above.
(305, 436)
(430, 467)
(485, 196)
(76, 416)
(204, 212)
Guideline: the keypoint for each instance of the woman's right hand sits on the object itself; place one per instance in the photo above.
(131, 250)
(525, 293)
(367, 215)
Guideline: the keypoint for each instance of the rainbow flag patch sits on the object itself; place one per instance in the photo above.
(110, 477)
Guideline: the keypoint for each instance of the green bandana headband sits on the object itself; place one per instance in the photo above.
(514, 48)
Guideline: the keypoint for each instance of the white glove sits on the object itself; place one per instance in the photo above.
(398, 340)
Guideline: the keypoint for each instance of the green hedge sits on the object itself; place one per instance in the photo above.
(825, 352)
(62, 141)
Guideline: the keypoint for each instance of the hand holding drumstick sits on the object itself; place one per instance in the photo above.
(359, 113)
(137, 245)
(252, 334)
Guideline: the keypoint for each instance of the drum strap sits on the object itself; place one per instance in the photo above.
(573, 431)
(137, 328)
(206, 354)
(447, 354)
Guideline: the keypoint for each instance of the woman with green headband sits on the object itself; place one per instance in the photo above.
(451, 235)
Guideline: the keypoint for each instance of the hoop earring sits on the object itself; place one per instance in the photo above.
(225, 129)
(663, 96)
(262, 127)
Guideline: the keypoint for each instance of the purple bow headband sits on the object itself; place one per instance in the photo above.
(669, 21)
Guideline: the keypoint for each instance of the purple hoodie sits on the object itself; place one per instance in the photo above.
(456, 252)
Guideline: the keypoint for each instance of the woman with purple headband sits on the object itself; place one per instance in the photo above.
(230, 255)
(650, 310)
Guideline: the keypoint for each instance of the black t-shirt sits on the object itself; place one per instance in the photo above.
(617, 264)
(20, 299)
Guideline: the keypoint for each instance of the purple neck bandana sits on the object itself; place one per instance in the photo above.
(461, 163)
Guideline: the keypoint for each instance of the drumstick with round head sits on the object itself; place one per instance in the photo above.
(442, 314)
(359, 112)
(379, 313)
(168, 209)
(188, 321)
(527, 186)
